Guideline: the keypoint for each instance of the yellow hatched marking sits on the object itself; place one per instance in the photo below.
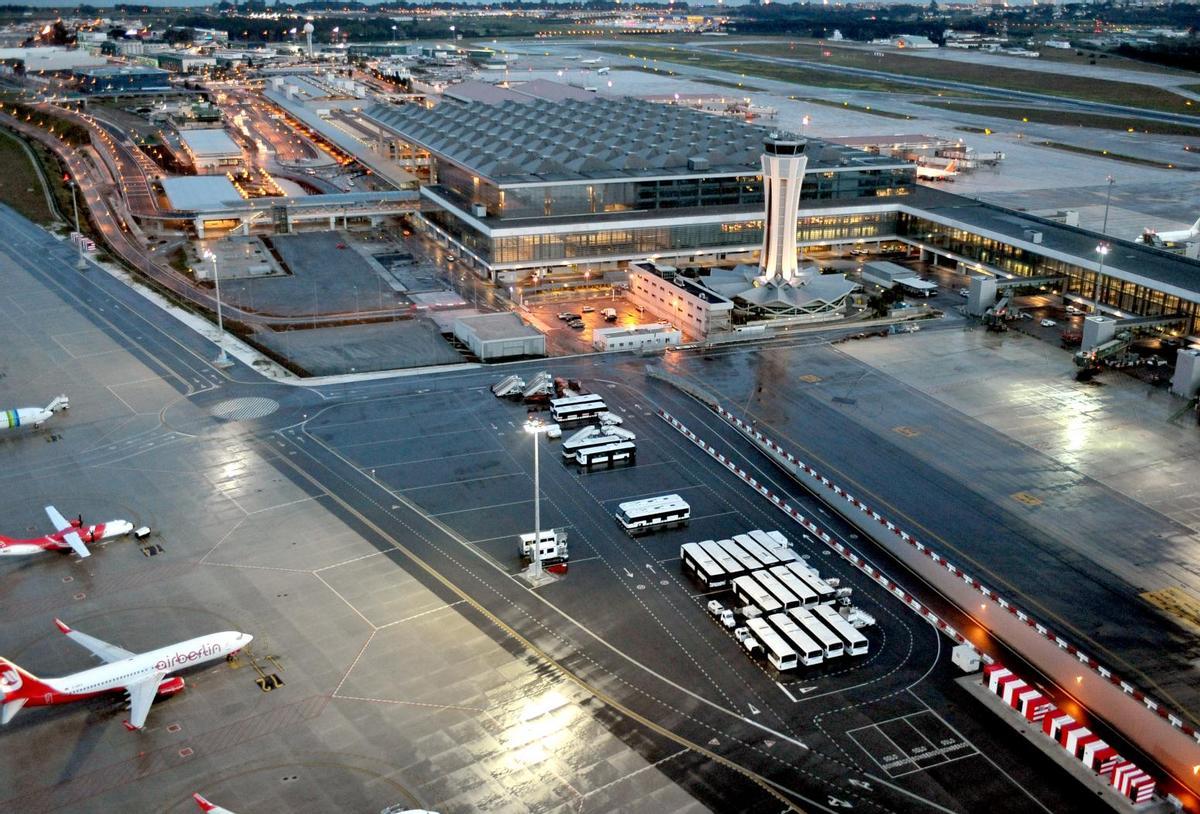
(907, 432)
(1183, 605)
(1026, 498)
(811, 378)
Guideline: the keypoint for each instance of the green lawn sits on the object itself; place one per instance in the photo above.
(1127, 159)
(874, 111)
(659, 56)
(1072, 119)
(20, 186)
(992, 76)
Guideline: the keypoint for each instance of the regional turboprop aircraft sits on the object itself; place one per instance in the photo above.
(143, 676)
(32, 416)
(69, 535)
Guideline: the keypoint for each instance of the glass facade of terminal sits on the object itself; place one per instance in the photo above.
(564, 248)
(634, 195)
(1126, 296)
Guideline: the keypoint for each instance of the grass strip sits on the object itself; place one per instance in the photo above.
(1070, 118)
(1062, 84)
(1127, 159)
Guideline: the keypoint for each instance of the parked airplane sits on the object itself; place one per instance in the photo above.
(143, 676)
(937, 173)
(208, 807)
(593, 61)
(1154, 238)
(69, 535)
(32, 416)
(603, 71)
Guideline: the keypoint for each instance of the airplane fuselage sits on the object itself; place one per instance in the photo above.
(120, 674)
(11, 547)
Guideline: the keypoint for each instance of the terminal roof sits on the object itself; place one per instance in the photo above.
(592, 138)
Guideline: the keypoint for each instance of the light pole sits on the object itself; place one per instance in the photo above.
(80, 264)
(222, 360)
(1102, 250)
(1107, 200)
(535, 427)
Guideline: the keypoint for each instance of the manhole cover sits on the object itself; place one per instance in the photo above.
(244, 409)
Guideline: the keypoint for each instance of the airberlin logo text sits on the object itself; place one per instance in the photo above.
(188, 657)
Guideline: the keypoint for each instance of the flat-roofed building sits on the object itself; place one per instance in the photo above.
(211, 150)
(499, 336)
(122, 80)
(655, 336)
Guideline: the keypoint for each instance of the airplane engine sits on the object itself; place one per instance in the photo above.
(170, 686)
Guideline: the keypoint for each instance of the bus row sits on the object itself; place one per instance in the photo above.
(784, 587)
(806, 636)
(716, 563)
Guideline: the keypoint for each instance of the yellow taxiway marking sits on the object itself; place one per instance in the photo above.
(1176, 602)
(1026, 498)
(811, 378)
(907, 432)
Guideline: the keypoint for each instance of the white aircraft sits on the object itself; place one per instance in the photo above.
(209, 808)
(937, 173)
(143, 676)
(68, 535)
(602, 71)
(35, 416)
(594, 61)
(1154, 238)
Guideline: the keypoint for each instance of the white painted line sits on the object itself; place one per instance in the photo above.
(785, 692)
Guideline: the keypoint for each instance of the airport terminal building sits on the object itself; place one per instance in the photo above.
(551, 180)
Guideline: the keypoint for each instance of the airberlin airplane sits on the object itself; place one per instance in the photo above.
(69, 535)
(143, 676)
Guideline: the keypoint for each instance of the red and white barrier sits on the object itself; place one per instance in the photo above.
(859, 506)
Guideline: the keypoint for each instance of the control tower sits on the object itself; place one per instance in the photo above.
(783, 165)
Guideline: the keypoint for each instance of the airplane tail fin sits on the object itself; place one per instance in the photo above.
(59, 403)
(17, 686)
(1195, 230)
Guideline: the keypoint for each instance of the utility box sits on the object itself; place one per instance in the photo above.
(1097, 330)
(552, 548)
(1186, 381)
(965, 658)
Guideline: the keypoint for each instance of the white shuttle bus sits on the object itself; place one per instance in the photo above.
(749, 593)
(576, 408)
(779, 654)
(665, 510)
(707, 571)
(820, 631)
(856, 643)
(608, 454)
(808, 651)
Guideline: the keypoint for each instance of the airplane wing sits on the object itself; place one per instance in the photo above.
(211, 808)
(141, 696)
(108, 653)
(60, 522)
(76, 543)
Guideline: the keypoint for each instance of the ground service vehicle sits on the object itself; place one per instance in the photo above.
(551, 549)
(609, 314)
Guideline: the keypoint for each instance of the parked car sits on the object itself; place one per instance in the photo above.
(564, 315)
(741, 633)
(577, 324)
(752, 646)
(1048, 323)
(587, 309)
(964, 293)
(1071, 309)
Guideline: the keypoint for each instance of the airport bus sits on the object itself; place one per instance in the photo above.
(577, 408)
(789, 580)
(731, 566)
(664, 510)
(572, 446)
(702, 567)
(820, 631)
(819, 586)
(734, 550)
(856, 643)
(779, 654)
(786, 598)
(775, 543)
(766, 551)
(607, 454)
(749, 593)
(808, 652)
